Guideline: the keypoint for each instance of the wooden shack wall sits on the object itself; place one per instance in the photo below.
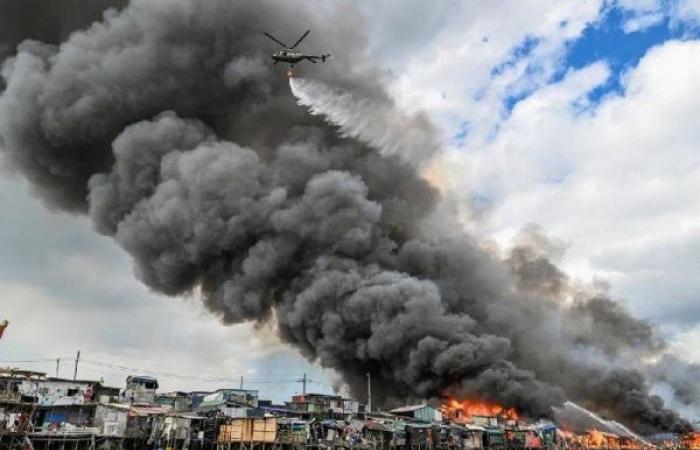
(249, 430)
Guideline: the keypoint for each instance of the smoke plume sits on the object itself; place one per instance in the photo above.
(47, 21)
(167, 124)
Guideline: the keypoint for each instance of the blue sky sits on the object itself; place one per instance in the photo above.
(605, 39)
(608, 41)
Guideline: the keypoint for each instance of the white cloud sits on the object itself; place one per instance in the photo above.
(688, 11)
(618, 180)
(481, 56)
(685, 344)
(641, 14)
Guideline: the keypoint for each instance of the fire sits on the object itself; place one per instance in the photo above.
(290, 74)
(466, 409)
(435, 173)
(594, 439)
(568, 434)
(691, 441)
(600, 439)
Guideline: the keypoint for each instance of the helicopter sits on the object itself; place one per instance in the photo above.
(291, 56)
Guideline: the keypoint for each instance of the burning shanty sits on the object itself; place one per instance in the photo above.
(41, 412)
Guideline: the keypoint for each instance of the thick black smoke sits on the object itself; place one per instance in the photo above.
(167, 124)
(47, 21)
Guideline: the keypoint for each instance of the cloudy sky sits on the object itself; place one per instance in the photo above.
(579, 116)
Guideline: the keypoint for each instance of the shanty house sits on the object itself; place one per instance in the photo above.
(111, 419)
(473, 437)
(15, 409)
(398, 438)
(127, 421)
(231, 403)
(548, 432)
(423, 413)
(326, 431)
(419, 436)
(521, 438)
(494, 439)
(379, 435)
(324, 406)
(350, 407)
(141, 420)
(60, 392)
(54, 418)
(65, 403)
(178, 427)
(140, 389)
(197, 397)
(279, 411)
(243, 397)
(249, 430)
(177, 401)
(292, 431)
(448, 436)
(487, 421)
(13, 382)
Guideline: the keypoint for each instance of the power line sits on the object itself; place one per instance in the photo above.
(233, 379)
(319, 383)
(185, 377)
(27, 361)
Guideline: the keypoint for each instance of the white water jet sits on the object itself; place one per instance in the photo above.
(376, 123)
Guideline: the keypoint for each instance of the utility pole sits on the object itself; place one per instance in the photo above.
(58, 366)
(369, 392)
(77, 360)
(241, 382)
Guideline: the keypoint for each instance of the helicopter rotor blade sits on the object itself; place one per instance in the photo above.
(301, 38)
(275, 39)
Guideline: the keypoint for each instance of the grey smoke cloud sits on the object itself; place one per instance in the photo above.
(46, 20)
(167, 124)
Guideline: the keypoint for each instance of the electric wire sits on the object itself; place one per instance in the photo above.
(232, 379)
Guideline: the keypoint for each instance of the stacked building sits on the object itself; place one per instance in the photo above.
(40, 412)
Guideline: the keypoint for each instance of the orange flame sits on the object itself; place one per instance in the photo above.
(466, 409)
(600, 439)
(568, 434)
(691, 441)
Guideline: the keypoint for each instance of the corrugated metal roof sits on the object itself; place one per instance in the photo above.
(410, 408)
(136, 410)
(376, 426)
